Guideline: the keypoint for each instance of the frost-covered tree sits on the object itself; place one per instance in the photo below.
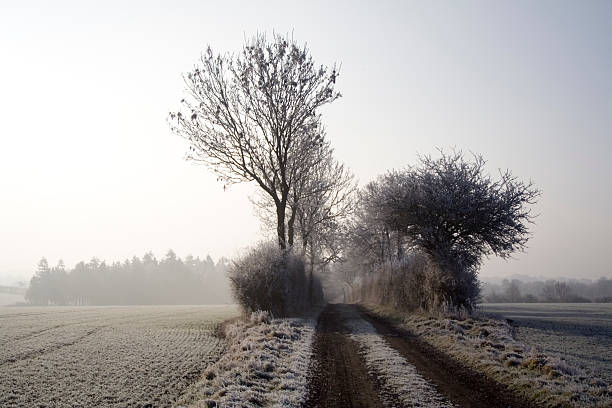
(449, 206)
(320, 201)
(325, 200)
(370, 236)
(253, 116)
(452, 210)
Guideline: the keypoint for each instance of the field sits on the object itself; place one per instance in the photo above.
(579, 333)
(134, 356)
(10, 298)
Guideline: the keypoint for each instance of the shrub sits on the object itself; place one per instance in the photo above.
(414, 283)
(270, 279)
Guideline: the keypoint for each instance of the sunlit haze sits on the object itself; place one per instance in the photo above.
(89, 167)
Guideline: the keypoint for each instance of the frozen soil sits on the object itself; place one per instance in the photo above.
(338, 376)
(398, 379)
(491, 347)
(361, 360)
(105, 356)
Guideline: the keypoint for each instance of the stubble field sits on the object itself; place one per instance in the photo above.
(134, 356)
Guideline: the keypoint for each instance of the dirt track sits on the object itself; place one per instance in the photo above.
(341, 378)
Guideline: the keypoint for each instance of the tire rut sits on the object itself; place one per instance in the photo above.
(460, 384)
(339, 377)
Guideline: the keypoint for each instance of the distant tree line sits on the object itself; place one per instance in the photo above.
(145, 281)
(572, 291)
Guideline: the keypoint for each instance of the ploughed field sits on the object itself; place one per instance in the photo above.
(126, 356)
(580, 333)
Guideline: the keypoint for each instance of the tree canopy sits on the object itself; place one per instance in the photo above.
(450, 209)
(253, 116)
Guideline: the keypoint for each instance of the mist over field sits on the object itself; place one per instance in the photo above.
(525, 289)
(98, 175)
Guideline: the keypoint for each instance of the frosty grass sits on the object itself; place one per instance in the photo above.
(266, 364)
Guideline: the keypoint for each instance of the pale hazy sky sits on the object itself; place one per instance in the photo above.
(88, 166)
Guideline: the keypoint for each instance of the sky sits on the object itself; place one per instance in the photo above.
(89, 167)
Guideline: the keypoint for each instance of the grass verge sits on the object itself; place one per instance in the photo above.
(488, 346)
(266, 364)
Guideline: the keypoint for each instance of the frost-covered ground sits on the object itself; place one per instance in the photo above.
(266, 364)
(398, 378)
(135, 356)
(490, 346)
(580, 333)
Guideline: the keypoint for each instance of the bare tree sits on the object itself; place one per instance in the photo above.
(322, 205)
(253, 116)
(555, 291)
(320, 200)
(450, 209)
(370, 235)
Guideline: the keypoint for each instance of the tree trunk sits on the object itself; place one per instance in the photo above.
(311, 277)
(290, 227)
(280, 225)
(303, 236)
(399, 246)
(311, 288)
